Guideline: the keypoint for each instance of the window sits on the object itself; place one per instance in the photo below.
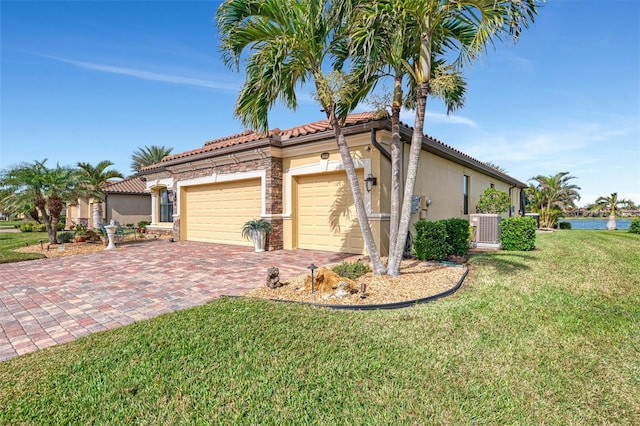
(166, 206)
(465, 194)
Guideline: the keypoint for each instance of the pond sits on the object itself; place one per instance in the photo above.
(596, 223)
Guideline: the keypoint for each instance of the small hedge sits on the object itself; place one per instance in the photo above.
(430, 242)
(564, 225)
(634, 228)
(518, 233)
(351, 270)
(65, 237)
(27, 227)
(457, 236)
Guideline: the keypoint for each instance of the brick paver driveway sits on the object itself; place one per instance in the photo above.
(50, 301)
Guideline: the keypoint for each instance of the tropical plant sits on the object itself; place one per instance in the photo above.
(429, 40)
(493, 201)
(148, 155)
(552, 195)
(48, 189)
(255, 225)
(634, 228)
(287, 43)
(611, 205)
(96, 178)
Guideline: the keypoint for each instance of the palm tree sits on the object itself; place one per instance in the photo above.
(611, 204)
(438, 37)
(46, 189)
(97, 176)
(290, 43)
(148, 155)
(552, 195)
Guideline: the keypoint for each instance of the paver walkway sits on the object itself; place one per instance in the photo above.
(50, 301)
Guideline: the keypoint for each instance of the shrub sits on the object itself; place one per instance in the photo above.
(430, 242)
(26, 227)
(143, 224)
(65, 237)
(564, 225)
(518, 233)
(351, 270)
(39, 227)
(60, 226)
(634, 228)
(493, 201)
(92, 235)
(457, 236)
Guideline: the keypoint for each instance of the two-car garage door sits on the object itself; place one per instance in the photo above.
(215, 213)
(326, 216)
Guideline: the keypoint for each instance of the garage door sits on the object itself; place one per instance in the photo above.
(215, 213)
(326, 217)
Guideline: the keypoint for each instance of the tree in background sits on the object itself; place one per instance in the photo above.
(48, 189)
(550, 196)
(148, 155)
(96, 178)
(611, 204)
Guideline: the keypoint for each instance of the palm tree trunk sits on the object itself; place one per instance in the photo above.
(393, 266)
(395, 163)
(361, 213)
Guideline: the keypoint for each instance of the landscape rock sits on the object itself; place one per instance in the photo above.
(326, 281)
(273, 278)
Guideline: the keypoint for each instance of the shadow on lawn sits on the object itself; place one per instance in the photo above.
(504, 262)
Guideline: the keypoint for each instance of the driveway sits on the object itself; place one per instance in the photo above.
(51, 301)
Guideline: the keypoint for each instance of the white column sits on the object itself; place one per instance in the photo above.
(154, 207)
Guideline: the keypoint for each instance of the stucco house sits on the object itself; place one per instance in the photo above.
(295, 179)
(126, 201)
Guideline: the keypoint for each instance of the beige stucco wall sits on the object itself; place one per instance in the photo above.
(128, 208)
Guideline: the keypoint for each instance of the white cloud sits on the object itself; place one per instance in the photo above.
(408, 117)
(148, 75)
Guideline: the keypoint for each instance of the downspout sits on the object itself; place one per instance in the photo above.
(376, 144)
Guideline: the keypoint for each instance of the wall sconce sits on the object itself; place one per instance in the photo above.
(428, 201)
(171, 195)
(324, 156)
(370, 182)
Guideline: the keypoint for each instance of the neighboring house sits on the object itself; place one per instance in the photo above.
(126, 201)
(295, 179)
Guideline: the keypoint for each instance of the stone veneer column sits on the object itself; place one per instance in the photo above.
(273, 201)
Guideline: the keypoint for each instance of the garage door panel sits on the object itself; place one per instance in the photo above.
(326, 218)
(215, 213)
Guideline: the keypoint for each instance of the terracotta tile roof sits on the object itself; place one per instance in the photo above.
(132, 185)
(250, 136)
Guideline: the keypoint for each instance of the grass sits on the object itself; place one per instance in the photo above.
(544, 337)
(13, 240)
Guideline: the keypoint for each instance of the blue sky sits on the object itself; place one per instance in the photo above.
(90, 80)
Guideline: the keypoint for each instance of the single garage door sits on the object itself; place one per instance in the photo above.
(326, 217)
(215, 213)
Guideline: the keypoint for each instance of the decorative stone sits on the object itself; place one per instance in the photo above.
(326, 281)
(273, 278)
(342, 290)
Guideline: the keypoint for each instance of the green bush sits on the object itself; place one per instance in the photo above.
(457, 236)
(493, 201)
(430, 242)
(60, 226)
(564, 225)
(351, 270)
(518, 233)
(634, 228)
(39, 227)
(143, 224)
(65, 237)
(27, 227)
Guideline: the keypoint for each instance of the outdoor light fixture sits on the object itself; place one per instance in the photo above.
(312, 267)
(370, 182)
(171, 196)
(428, 202)
(324, 155)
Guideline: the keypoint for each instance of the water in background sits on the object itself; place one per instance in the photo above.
(596, 223)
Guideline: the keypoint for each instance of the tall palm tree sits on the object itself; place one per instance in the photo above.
(551, 195)
(289, 43)
(96, 177)
(439, 36)
(148, 155)
(611, 204)
(48, 189)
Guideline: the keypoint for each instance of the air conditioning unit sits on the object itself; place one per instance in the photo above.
(487, 229)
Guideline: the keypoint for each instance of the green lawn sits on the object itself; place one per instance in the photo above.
(13, 240)
(544, 337)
